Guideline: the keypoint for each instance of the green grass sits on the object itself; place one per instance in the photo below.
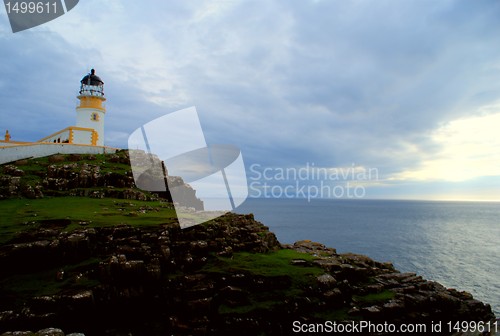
(23, 214)
(34, 169)
(44, 282)
(275, 264)
(278, 264)
(266, 305)
(34, 166)
(373, 298)
(272, 264)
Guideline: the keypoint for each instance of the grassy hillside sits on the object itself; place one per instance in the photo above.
(68, 213)
(58, 179)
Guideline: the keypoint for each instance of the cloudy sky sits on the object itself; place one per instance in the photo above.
(409, 88)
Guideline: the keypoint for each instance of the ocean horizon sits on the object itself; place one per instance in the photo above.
(452, 242)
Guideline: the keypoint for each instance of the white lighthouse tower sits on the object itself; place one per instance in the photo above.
(90, 112)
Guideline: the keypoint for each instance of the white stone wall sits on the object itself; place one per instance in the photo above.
(13, 143)
(82, 137)
(14, 153)
(84, 120)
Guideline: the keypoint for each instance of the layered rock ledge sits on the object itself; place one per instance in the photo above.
(227, 276)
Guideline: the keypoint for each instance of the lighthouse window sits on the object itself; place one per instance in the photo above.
(94, 117)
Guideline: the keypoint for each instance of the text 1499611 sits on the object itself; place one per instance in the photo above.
(31, 7)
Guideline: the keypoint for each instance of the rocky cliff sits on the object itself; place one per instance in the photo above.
(97, 176)
(224, 277)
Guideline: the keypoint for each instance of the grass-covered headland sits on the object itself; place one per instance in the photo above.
(84, 250)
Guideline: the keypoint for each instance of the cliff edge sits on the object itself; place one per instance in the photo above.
(94, 260)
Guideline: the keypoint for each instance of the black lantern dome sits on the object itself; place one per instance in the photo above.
(92, 79)
(92, 85)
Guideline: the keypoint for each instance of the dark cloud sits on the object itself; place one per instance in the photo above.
(329, 82)
(37, 71)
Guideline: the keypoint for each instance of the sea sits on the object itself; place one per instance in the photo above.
(454, 243)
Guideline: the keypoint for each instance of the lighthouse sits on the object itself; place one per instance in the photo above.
(90, 112)
(86, 137)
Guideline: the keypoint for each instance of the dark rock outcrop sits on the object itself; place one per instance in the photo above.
(118, 269)
(42, 332)
(380, 293)
(164, 280)
(96, 176)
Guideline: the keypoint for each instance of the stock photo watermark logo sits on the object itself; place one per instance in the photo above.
(170, 155)
(28, 14)
(311, 182)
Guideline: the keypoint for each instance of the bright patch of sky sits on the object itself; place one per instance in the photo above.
(470, 148)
